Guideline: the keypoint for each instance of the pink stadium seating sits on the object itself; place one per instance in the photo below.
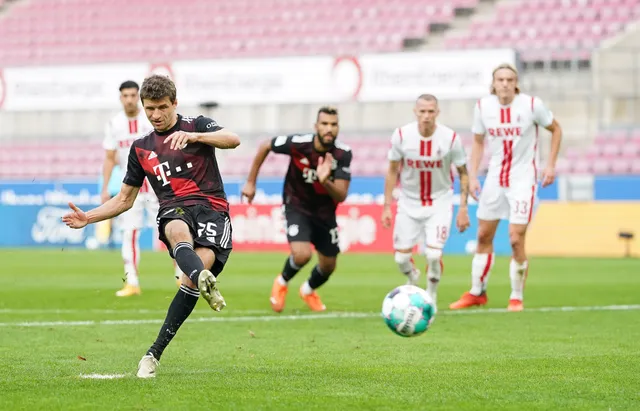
(612, 152)
(87, 31)
(548, 29)
(80, 31)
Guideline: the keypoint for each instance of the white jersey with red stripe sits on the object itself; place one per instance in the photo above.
(512, 131)
(426, 178)
(121, 131)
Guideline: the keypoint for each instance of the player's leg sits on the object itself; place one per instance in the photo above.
(406, 232)
(493, 207)
(152, 207)
(522, 203)
(179, 310)
(324, 237)
(299, 236)
(437, 228)
(131, 222)
(177, 234)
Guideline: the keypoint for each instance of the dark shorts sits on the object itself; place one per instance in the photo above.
(323, 234)
(209, 228)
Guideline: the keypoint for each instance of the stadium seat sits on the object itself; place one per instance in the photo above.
(90, 31)
(578, 27)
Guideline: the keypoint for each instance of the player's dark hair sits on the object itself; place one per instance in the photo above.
(330, 110)
(157, 87)
(427, 97)
(129, 84)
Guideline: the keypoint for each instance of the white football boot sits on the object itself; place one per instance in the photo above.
(147, 367)
(209, 291)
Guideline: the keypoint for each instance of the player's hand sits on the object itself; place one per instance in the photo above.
(386, 217)
(249, 191)
(462, 219)
(474, 188)
(548, 176)
(76, 218)
(105, 196)
(180, 139)
(324, 167)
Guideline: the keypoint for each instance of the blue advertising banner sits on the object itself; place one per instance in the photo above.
(30, 214)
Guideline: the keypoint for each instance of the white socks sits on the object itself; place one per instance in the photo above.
(306, 288)
(518, 275)
(131, 255)
(404, 261)
(480, 272)
(434, 270)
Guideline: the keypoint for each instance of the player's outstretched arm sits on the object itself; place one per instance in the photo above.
(390, 182)
(249, 189)
(122, 202)
(549, 173)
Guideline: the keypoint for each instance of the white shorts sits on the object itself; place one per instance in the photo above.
(517, 203)
(433, 230)
(135, 218)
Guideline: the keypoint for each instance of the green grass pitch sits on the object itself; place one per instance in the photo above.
(570, 349)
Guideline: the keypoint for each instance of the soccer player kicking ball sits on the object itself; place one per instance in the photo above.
(317, 180)
(423, 152)
(510, 120)
(121, 131)
(178, 159)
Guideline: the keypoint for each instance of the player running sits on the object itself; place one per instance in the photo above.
(423, 152)
(317, 180)
(121, 131)
(178, 158)
(510, 119)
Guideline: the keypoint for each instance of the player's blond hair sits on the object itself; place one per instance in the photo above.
(500, 67)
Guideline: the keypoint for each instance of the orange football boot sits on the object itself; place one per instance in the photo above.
(278, 295)
(469, 300)
(313, 301)
(515, 306)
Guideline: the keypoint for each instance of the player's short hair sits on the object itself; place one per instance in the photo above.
(427, 97)
(330, 110)
(129, 84)
(500, 67)
(157, 87)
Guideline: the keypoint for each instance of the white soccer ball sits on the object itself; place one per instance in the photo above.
(408, 310)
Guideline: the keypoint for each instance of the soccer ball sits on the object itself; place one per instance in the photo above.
(408, 310)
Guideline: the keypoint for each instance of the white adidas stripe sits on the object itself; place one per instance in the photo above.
(334, 315)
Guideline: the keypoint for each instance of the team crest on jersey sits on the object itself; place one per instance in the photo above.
(293, 230)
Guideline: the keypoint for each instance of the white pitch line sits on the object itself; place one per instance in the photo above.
(106, 311)
(102, 376)
(265, 318)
